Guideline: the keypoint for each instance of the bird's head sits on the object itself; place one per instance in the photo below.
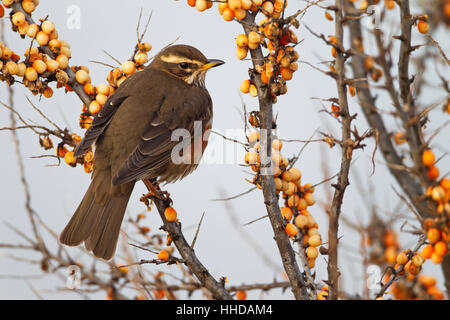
(185, 62)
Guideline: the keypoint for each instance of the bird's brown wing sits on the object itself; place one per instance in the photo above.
(101, 121)
(152, 155)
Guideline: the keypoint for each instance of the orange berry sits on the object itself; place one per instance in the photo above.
(70, 159)
(201, 5)
(191, 3)
(170, 214)
(441, 248)
(423, 26)
(228, 14)
(445, 183)
(352, 90)
(433, 173)
(315, 240)
(48, 92)
(436, 258)
(31, 74)
(241, 52)
(328, 16)
(427, 251)
(402, 258)
(18, 18)
(264, 77)
(89, 88)
(163, 255)
(433, 235)
(128, 67)
(417, 260)
(428, 158)
(291, 230)
(253, 91)
(302, 204)
(312, 252)
(245, 86)
(301, 221)
(286, 73)
(240, 14)
(241, 295)
(286, 213)
(390, 254)
(94, 107)
(242, 40)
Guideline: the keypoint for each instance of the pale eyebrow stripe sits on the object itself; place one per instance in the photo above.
(177, 59)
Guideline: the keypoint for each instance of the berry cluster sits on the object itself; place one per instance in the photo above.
(297, 197)
(272, 33)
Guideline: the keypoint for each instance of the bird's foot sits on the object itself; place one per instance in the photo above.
(154, 191)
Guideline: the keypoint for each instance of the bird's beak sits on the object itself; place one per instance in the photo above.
(212, 63)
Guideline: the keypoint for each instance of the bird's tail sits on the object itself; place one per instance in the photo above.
(98, 218)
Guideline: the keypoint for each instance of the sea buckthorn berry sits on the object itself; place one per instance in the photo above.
(246, 4)
(267, 8)
(63, 61)
(241, 53)
(433, 173)
(234, 4)
(228, 14)
(21, 68)
(312, 253)
(101, 99)
(94, 107)
(428, 158)
(315, 240)
(253, 91)
(128, 67)
(433, 235)
(163, 255)
(48, 27)
(301, 221)
(32, 31)
(11, 67)
(241, 295)
(81, 76)
(291, 230)
(245, 86)
(328, 16)
(438, 193)
(441, 248)
(240, 14)
(170, 214)
(390, 254)
(70, 159)
(423, 26)
(277, 144)
(402, 258)
(295, 173)
(141, 58)
(31, 74)
(18, 18)
(309, 198)
(302, 204)
(417, 260)
(48, 92)
(103, 89)
(42, 38)
(254, 37)
(286, 213)
(436, 258)
(201, 5)
(89, 89)
(242, 40)
(427, 251)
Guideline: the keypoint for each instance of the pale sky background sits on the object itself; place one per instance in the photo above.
(111, 26)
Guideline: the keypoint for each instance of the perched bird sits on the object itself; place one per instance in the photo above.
(132, 134)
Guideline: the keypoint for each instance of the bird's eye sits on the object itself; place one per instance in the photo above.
(184, 65)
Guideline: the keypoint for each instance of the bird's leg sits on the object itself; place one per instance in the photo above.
(155, 192)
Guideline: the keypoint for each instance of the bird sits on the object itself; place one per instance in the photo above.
(132, 140)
